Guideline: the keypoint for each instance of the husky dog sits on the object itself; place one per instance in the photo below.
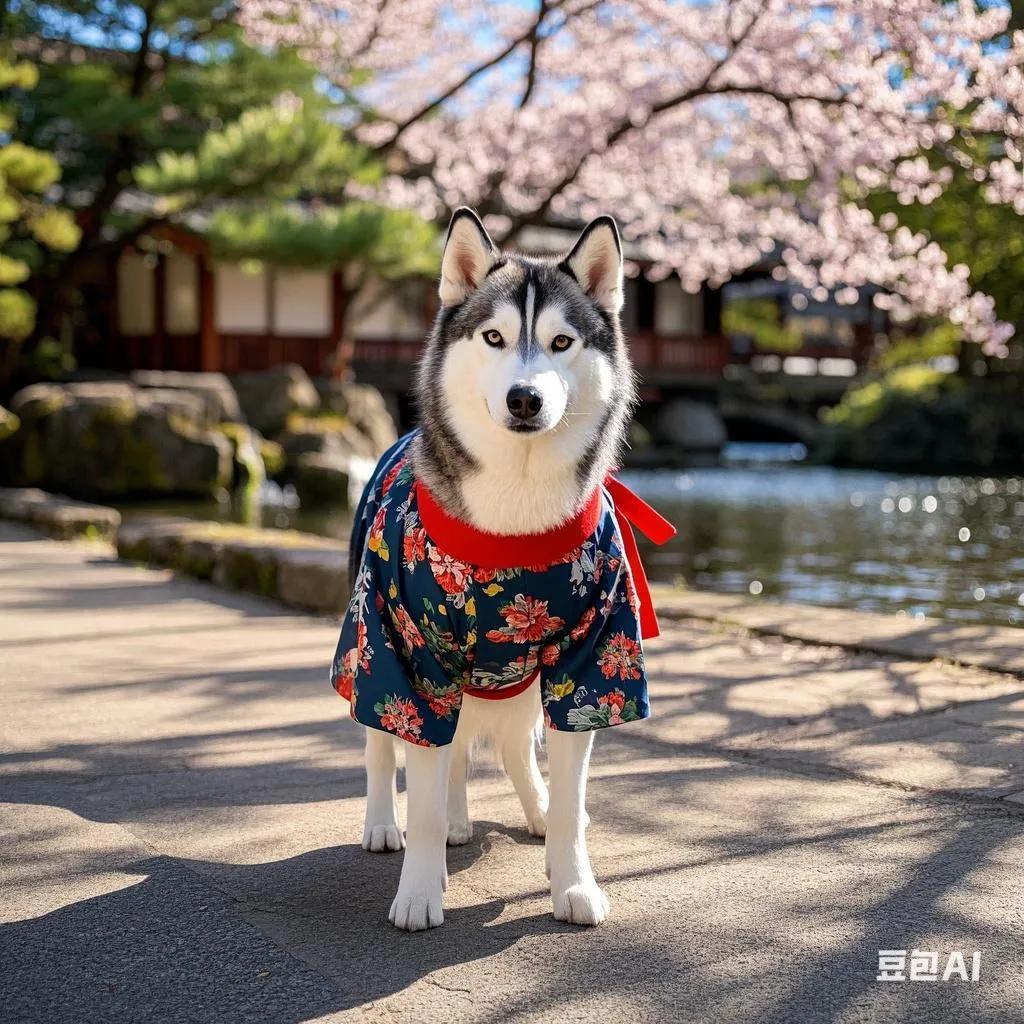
(524, 392)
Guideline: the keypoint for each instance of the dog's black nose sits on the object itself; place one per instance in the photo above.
(524, 403)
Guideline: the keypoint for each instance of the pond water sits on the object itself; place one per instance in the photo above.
(951, 547)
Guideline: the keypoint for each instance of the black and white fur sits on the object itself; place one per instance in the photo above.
(524, 391)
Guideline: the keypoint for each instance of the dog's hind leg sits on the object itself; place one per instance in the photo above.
(460, 828)
(519, 756)
(417, 904)
(381, 831)
(575, 894)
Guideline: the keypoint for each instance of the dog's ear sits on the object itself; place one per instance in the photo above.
(596, 263)
(468, 254)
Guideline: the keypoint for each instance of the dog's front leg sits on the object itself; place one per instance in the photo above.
(460, 828)
(575, 895)
(380, 830)
(417, 904)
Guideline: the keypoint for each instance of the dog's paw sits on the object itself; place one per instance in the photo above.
(537, 824)
(414, 911)
(380, 838)
(584, 903)
(459, 832)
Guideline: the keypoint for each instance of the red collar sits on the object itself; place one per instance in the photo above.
(499, 551)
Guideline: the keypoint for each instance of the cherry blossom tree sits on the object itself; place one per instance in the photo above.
(717, 132)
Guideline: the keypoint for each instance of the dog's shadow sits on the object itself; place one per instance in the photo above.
(285, 940)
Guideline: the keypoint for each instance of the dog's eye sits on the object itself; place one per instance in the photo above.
(494, 338)
(561, 342)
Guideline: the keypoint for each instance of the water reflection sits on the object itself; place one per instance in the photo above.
(942, 546)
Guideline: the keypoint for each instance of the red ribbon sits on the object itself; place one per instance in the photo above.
(465, 542)
(631, 510)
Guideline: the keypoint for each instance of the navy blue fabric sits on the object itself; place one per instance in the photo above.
(422, 626)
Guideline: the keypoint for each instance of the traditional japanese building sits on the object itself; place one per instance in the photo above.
(168, 304)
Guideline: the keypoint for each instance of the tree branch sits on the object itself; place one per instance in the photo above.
(402, 126)
(626, 125)
(531, 74)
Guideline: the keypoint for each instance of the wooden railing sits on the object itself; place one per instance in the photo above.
(388, 362)
(697, 355)
(688, 355)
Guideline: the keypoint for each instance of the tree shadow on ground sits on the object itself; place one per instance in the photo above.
(715, 926)
(282, 941)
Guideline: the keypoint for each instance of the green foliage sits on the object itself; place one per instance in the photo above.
(17, 314)
(916, 419)
(163, 111)
(388, 243)
(761, 321)
(945, 339)
(864, 405)
(153, 79)
(269, 153)
(30, 224)
(986, 238)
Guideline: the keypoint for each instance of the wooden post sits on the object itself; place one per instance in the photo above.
(210, 354)
(114, 342)
(341, 345)
(273, 352)
(158, 350)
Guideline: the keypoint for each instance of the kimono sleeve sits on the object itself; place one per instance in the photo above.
(599, 680)
(368, 503)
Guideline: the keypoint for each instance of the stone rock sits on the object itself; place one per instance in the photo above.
(365, 408)
(9, 423)
(313, 579)
(273, 458)
(214, 389)
(321, 478)
(173, 403)
(247, 455)
(112, 439)
(268, 398)
(691, 425)
(329, 435)
(59, 516)
(298, 569)
(38, 400)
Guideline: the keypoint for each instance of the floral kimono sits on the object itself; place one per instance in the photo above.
(440, 609)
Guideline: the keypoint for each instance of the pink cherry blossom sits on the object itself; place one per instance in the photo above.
(716, 132)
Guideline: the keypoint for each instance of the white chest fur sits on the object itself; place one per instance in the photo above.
(526, 487)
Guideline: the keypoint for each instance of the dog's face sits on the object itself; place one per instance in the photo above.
(531, 347)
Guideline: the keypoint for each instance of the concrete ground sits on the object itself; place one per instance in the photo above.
(181, 801)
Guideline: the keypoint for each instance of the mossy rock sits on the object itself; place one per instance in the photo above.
(9, 424)
(321, 479)
(248, 468)
(199, 557)
(252, 569)
(38, 401)
(273, 458)
(110, 440)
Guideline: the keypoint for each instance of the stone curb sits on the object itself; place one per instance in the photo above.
(311, 573)
(58, 516)
(298, 569)
(996, 648)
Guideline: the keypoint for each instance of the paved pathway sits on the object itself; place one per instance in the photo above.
(180, 805)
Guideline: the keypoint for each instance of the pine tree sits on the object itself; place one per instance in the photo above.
(160, 110)
(31, 226)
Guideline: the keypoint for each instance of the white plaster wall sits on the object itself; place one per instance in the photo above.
(181, 293)
(239, 299)
(302, 302)
(676, 311)
(392, 311)
(135, 294)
